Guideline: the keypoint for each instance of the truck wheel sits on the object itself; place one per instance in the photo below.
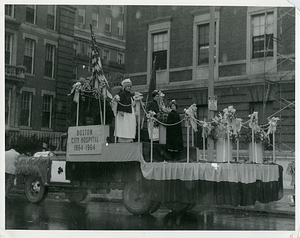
(135, 199)
(35, 190)
(155, 207)
(76, 197)
(177, 206)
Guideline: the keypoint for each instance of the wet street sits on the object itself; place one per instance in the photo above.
(54, 214)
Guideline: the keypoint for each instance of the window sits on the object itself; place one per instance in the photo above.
(49, 61)
(26, 104)
(75, 72)
(30, 14)
(95, 20)
(120, 58)
(8, 48)
(29, 55)
(120, 28)
(47, 111)
(9, 10)
(108, 7)
(7, 105)
(51, 17)
(106, 55)
(81, 17)
(160, 47)
(76, 48)
(203, 44)
(108, 24)
(89, 51)
(121, 9)
(262, 35)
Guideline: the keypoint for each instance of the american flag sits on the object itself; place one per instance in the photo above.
(99, 79)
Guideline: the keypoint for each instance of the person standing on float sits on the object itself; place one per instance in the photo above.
(174, 140)
(125, 123)
(153, 106)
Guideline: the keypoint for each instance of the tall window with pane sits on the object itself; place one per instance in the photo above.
(160, 50)
(31, 14)
(47, 111)
(262, 35)
(105, 55)
(49, 61)
(26, 107)
(120, 58)
(9, 10)
(29, 55)
(95, 20)
(108, 24)
(81, 17)
(203, 44)
(51, 17)
(120, 28)
(8, 48)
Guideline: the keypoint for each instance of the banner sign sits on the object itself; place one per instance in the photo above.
(86, 139)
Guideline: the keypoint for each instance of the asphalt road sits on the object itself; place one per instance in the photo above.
(60, 214)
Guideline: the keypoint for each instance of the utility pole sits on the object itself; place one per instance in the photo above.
(211, 79)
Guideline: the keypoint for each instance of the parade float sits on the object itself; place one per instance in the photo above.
(89, 160)
(85, 161)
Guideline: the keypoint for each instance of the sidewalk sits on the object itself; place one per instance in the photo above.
(278, 208)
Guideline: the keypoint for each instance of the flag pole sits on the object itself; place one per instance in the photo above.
(77, 113)
(104, 104)
(152, 86)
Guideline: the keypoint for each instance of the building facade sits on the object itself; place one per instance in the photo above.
(47, 48)
(254, 60)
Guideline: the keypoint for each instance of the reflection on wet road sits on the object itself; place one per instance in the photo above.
(63, 215)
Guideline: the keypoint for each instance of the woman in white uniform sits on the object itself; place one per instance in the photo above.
(125, 126)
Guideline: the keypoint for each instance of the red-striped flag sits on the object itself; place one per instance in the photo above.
(99, 79)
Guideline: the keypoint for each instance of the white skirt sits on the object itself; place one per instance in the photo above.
(125, 126)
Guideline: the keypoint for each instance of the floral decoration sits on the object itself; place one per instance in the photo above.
(225, 123)
(260, 136)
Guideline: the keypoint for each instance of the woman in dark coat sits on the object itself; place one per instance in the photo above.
(174, 142)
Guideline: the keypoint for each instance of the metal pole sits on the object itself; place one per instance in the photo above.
(104, 104)
(274, 147)
(138, 111)
(188, 144)
(77, 112)
(210, 143)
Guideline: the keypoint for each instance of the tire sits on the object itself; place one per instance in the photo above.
(154, 207)
(177, 206)
(35, 190)
(76, 197)
(135, 199)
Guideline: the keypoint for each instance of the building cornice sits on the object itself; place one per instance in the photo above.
(159, 20)
(204, 10)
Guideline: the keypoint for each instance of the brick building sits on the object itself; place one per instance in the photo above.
(254, 59)
(47, 47)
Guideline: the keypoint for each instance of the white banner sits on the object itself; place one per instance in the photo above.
(86, 139)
